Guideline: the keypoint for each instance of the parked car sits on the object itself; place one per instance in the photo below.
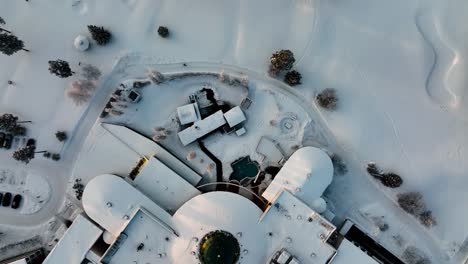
(8, 141)
(16, 201)
(6, 199)
(2, 139)
(31, 142)
(1, 198)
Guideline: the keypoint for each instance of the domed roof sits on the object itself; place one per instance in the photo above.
(81, 43)
(219, 247)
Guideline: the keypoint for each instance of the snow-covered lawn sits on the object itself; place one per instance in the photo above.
(398, 67)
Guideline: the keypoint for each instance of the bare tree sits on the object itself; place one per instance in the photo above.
(412, 203)
(413, 255)
(85, 86)
(327, 99)
(155, 76)
(78, 96)
(90, 72)
(427, 219)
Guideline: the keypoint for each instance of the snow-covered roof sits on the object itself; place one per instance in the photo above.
(348, 251)
(144, 228)
(306, 174)
(148, 148)
(234, 116)
(81, 43)
(187, 114)
(298, 229)
(111, 202)
(201, 128)
(162, 185)
(77, 241)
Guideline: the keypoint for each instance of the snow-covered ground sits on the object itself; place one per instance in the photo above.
(398, 67)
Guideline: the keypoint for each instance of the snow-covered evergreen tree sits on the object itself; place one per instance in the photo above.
(101, 35)
(10, 44)
(60, 68)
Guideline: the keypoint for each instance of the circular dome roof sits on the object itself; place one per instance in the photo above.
(81, 43)
(219, 247)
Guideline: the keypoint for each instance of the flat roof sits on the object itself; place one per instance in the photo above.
(187, 113)
(75, 244)
(348, 251)
(111, 202)
(298, 229)
(201, 128)
(148, 148)
(162, 185)
(234, 116)
(144, 229)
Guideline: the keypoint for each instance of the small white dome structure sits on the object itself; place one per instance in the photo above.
(81, 43)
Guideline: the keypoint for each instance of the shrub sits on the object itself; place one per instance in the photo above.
(55, 157)
(78, 97)
(413, 255)
(163, 32)
(282, 60)
(327, 99)
(391, 180)
(293, 78)
(101, 35)
(427, 219)
(412, 203)
(85, 86)
(61, 136)
(90, 72)
(373, 170)
(339, 165)
(155, 76)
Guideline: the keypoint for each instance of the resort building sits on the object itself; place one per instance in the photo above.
(158, 215)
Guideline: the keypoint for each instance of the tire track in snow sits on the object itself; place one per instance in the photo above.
(445, 59)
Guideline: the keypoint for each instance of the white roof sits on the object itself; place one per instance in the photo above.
(306, 174)
(270, 150)
(77, 241)
(202, 127)
(111, 201)
(148, 148)
(298, 229)
(348, 251)
(103, 153)
(219, 211)
(147, 229)
(187, 114)
(240, 131)
(81, 43)
(234, 116)
(162, 185)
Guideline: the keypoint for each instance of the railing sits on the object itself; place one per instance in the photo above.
(261, 202)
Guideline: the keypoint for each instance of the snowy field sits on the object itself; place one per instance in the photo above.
(398, 67)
